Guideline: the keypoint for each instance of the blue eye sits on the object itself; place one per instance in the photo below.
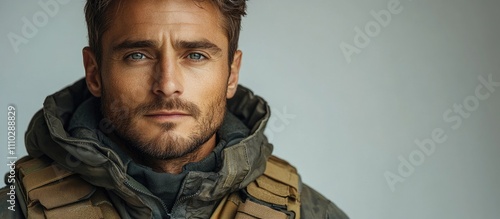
(196, 56)
(136, 56)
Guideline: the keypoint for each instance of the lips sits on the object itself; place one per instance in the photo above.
(167, 115)
(162, 107)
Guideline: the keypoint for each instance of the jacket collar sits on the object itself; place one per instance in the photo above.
(101, 166)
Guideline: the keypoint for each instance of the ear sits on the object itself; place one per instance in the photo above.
(232, 83)
(92, 75)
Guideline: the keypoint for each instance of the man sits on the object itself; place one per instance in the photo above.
(159, 127)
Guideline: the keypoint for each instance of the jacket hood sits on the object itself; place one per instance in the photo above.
(242, 163)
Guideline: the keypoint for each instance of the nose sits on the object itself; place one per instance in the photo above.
(167, 80)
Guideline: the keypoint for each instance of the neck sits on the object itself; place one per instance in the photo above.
(174, 165)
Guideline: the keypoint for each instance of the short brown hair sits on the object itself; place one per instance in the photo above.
(98, 22)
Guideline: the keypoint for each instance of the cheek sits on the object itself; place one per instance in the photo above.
(214, 97)
(213, 89)
(216, 78)
(125, 88)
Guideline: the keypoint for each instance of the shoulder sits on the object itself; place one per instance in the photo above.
(314, 205)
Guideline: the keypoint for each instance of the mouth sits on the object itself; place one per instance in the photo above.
(167, 115)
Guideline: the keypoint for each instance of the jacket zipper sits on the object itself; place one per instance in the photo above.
(181, 200)
(165, 210)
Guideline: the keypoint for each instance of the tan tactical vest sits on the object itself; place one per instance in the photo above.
(50, 191)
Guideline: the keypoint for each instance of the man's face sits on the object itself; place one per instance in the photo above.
(164, 75)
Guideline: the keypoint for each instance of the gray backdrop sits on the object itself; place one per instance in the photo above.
(383, 105)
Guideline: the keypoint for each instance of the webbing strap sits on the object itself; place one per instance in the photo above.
(99, 199)
(279, 185)
(80, 210)
(271, 185)
(27, 165)
(253, 210)
(36, 212)
(69, 190)
(227, 207)
(281, 171)
(51, 191)
(264, 195)
(273, 195)
(44, 176)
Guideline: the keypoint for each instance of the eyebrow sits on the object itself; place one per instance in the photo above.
(199, 44)
(129, 44)
(181, 44)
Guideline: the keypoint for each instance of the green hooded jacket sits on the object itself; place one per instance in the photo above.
(200, 191)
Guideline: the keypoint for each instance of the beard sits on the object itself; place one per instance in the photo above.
(167, 145)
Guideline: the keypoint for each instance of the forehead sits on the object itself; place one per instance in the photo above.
(157, 18)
